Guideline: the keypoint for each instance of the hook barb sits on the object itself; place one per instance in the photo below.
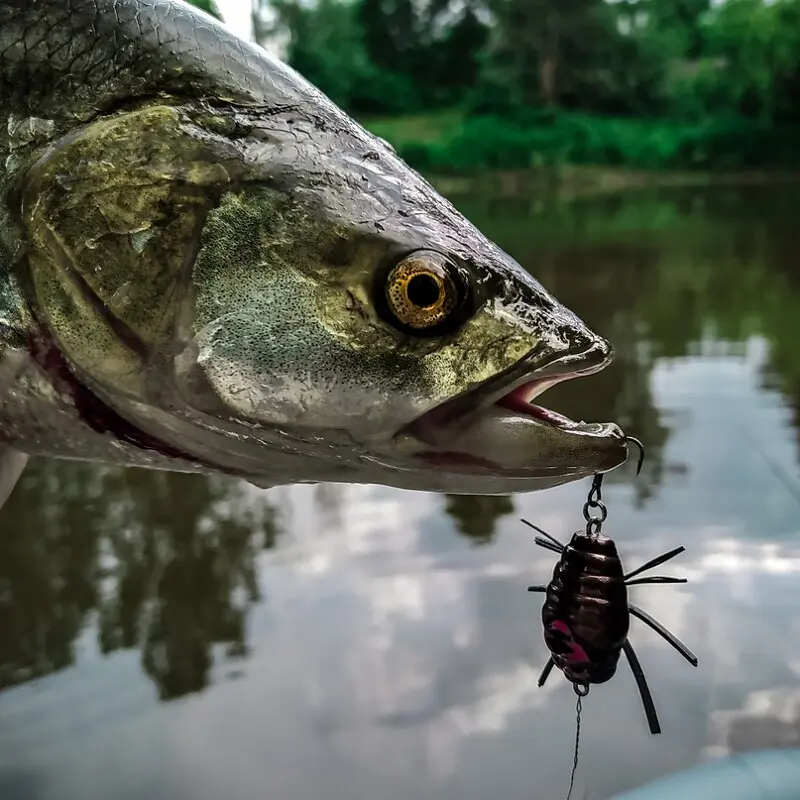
(640, 447)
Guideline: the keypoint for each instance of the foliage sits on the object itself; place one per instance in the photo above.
(556, 138)
(759, 44)
(327, 46)
(645, 83)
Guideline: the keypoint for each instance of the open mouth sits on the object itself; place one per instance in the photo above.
(451, 418)
(514, 391)
(496, 426)
(521, 399)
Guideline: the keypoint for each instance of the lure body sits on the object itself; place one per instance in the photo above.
(585, 614)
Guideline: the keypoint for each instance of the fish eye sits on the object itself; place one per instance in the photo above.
(422, 293)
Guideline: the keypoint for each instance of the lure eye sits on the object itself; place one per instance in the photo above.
(423, 292)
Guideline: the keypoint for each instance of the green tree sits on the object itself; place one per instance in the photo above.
(676, 28)
(327, 45)
(383, 56)
(393, 34)
(758, 44)
(455, 59)
(570, 54)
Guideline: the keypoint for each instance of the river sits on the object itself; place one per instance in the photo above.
(173, 637)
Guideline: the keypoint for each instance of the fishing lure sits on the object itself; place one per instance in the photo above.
(586, 614)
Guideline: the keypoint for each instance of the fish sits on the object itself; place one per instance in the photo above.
(208, 266)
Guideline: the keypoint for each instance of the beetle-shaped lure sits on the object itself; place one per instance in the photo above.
(586, 613)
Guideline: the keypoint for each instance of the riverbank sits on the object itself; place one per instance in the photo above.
(556, 152)
(566, 183)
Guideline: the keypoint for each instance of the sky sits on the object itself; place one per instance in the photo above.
(237, 16)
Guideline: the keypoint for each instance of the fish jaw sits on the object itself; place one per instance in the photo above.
(494, 439)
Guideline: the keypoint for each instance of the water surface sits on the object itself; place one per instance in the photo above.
(173, 637)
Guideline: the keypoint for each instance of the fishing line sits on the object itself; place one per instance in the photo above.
(578, 708)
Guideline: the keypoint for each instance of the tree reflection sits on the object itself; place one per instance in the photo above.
(660, 274)
(51, 528)
(475, 516)
(166, 560)
(576, 252)
(608, 284)
(329, 500)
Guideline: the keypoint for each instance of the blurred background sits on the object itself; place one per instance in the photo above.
(512, 84)
(172, 636)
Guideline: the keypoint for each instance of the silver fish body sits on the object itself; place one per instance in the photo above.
(205, 265)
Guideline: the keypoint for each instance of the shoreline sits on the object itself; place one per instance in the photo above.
(573, 182)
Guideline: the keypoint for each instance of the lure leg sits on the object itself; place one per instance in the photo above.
(546, 535)
(548, 668)
(654, 562)
(655, 579)
(537, 588)
(641, 685)
(663, 633)
(547, 545)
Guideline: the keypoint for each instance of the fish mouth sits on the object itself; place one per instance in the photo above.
(496, 427)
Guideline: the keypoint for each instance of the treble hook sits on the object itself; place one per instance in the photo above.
(631, 440)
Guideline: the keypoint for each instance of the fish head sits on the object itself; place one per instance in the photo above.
(291, 301)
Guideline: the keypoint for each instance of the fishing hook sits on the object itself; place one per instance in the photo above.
(640, 446)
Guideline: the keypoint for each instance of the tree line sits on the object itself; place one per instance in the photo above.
(684, 58)
(649, 83)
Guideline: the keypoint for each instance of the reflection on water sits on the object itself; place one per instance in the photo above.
(476, 517)
(173, 636)
(163, 562)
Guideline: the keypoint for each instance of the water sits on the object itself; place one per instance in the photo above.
(167, 636)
